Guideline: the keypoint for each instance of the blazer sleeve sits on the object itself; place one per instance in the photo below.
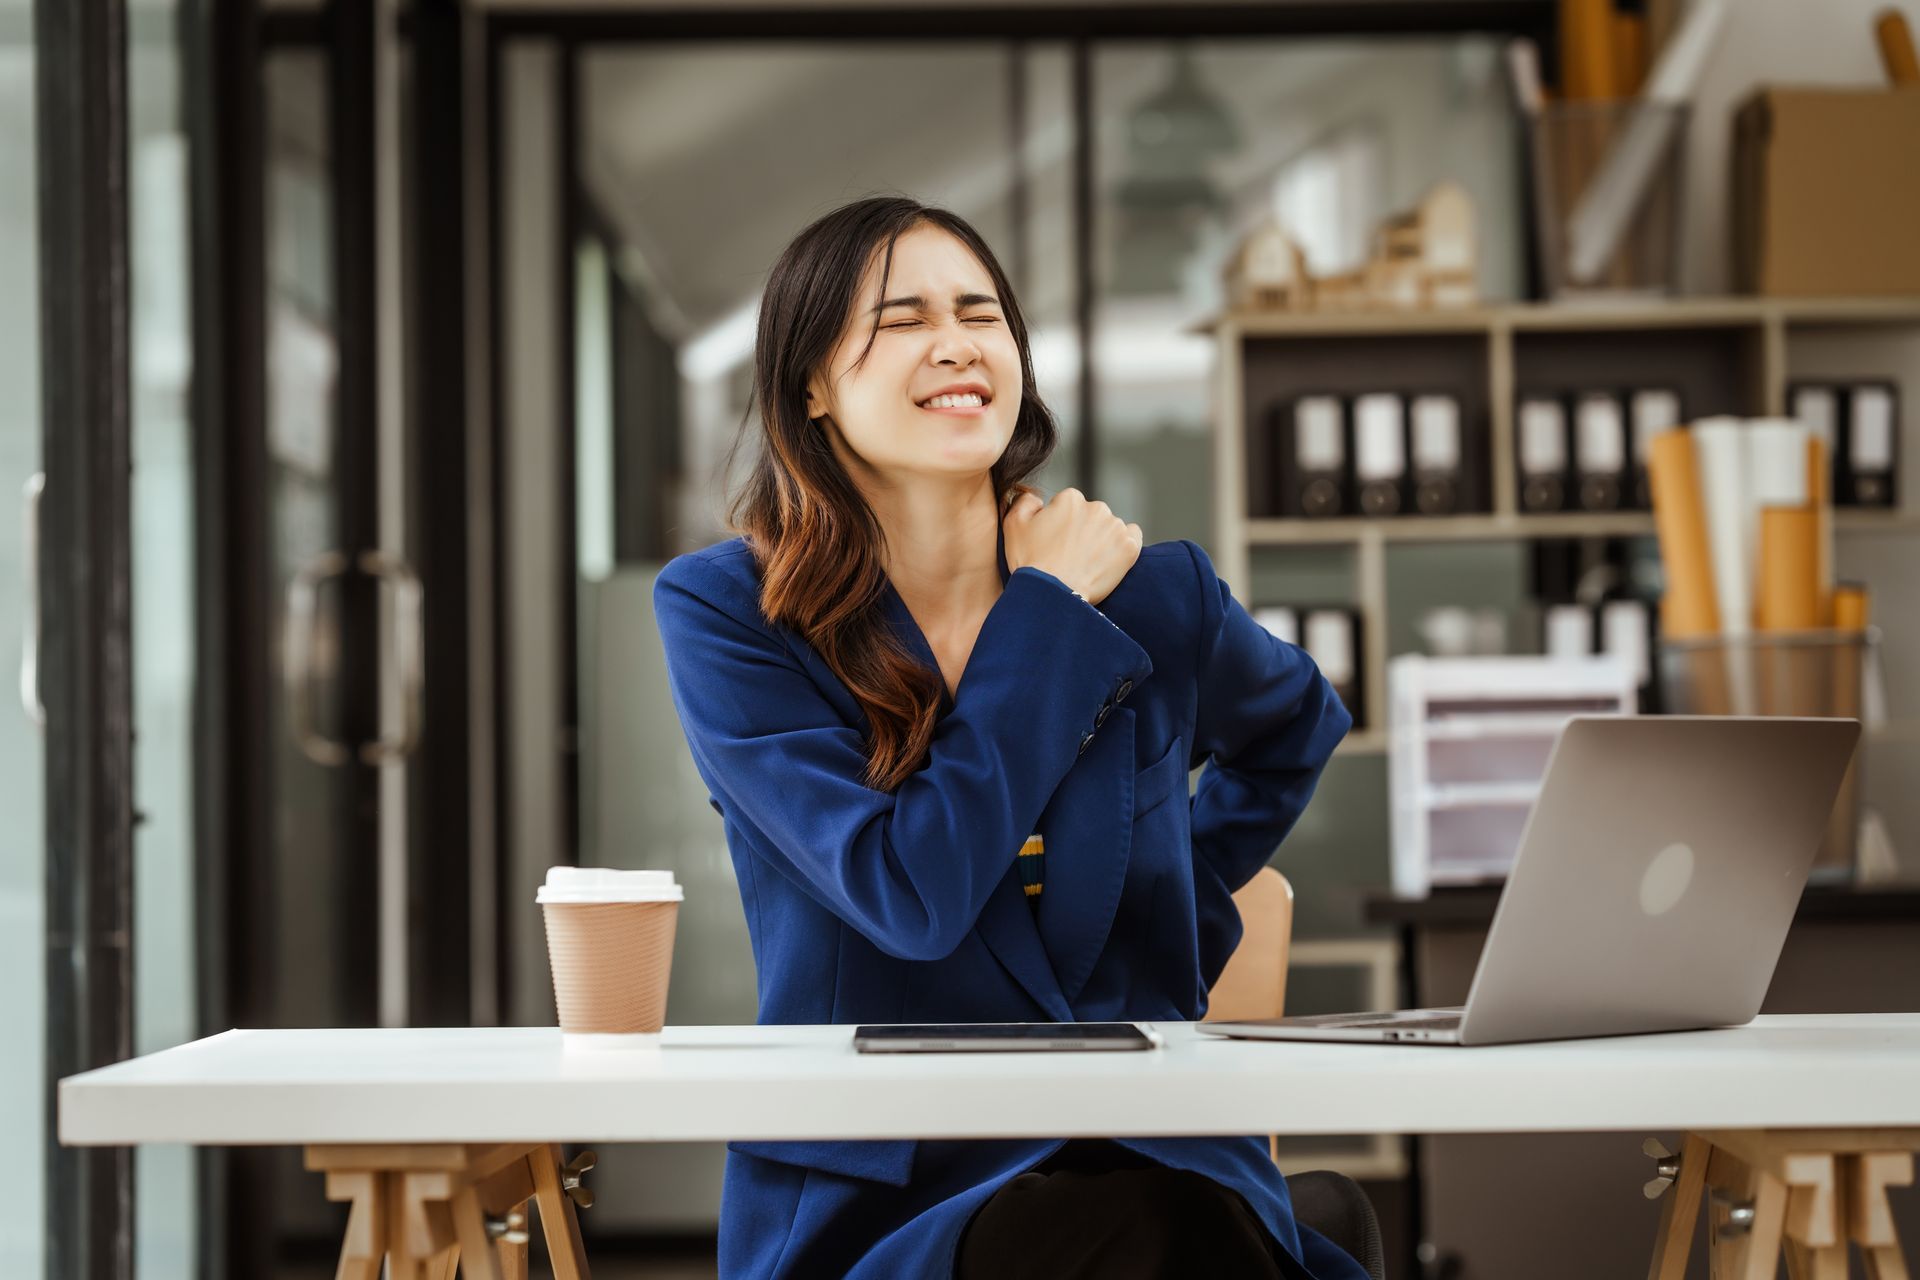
(1268, 720)
(911, 869)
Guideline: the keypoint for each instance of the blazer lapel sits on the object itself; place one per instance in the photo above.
(1006, 925)
(1088, 827)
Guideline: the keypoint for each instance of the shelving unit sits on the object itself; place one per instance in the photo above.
(1726, 355)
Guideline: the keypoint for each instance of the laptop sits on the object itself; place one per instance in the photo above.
(1658, 872)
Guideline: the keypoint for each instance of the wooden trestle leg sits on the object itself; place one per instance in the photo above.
(434, 1211)
(1802, 1193)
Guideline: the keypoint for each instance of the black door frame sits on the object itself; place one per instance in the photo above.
(220, 44)
(86, 622)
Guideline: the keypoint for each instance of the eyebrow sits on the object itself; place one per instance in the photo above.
(919, 303)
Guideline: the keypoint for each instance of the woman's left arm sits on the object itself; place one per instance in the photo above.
(1267, 721)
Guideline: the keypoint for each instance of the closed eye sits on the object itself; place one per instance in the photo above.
(908, 324)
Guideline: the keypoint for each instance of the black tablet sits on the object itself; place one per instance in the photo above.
(1002, 1037)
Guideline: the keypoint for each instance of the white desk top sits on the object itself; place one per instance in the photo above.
(716, 1083)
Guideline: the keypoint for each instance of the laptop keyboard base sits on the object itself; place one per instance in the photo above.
(1422, 1019)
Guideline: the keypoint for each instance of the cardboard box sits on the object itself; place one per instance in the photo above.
(1826, 192)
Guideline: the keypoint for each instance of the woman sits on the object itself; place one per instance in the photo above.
(948, 726)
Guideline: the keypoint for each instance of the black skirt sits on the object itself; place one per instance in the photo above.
(1097, 1209)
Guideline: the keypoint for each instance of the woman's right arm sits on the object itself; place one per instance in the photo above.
(910, 869)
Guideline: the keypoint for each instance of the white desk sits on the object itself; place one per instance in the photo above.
(453, 1106)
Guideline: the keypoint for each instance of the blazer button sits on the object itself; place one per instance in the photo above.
(1126, 687)
(1083, 743)
(1102, 717)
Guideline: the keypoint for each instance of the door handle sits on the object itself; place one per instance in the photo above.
(303, 613)
(30, 639)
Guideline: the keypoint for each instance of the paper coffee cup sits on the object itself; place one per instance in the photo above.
(610, 946)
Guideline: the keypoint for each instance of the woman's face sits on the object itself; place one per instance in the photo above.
(942, 330)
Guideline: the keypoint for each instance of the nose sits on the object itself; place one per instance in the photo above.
(955, 348)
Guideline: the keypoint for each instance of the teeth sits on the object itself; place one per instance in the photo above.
(968, 401)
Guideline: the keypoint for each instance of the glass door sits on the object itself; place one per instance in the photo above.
(161, 369)
(319, 877)
(316, 933)
(22, 758)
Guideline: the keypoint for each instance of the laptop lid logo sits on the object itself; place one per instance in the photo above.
(1666, 879)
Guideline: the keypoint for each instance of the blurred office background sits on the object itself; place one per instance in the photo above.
(473, 287)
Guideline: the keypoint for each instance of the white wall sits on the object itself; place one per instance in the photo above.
(1766, 42)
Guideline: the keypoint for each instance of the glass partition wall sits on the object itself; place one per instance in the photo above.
(1195, 143)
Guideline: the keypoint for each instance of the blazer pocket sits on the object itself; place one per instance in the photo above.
(1153, 784)
(881, 1160)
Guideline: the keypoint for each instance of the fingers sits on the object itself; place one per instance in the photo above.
(1029, 503)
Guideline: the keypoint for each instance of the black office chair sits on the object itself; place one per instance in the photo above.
(1254, 985)
(1335, 1205)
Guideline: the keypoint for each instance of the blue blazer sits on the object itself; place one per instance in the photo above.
(1074, 721)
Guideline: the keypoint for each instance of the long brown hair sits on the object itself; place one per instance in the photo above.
(816, 541)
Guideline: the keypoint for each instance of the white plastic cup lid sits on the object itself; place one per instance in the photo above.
(608, 884)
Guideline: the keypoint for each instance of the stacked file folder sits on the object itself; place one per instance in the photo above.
(1586, 449)
(1859, 423)
(1377, 454)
